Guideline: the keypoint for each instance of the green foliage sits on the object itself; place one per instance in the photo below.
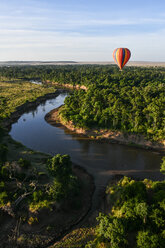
(15, 93)
(2, 132)
(131, 101)
(162, 169)
(138, 208)
(148, 240)
(60, 166)
(2, 185)
(37, 196)
(3, 198)
(57, 191)
(64, 184)
(157, 217)
(32, 220)
(4, 172)
(24, 163)
(3, 152)
(142, 211)
(36, 206)
(113, 230)
(136, 190)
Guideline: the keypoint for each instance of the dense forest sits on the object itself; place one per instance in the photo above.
(133, 216)
(131, 101)
(136, 218)
(33, 185)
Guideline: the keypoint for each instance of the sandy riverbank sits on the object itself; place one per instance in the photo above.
(54, 118)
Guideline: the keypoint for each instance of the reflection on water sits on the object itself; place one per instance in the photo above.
(100, 159)
(35, 82)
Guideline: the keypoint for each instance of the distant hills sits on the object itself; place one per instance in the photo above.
(8, 63)
(131, 63)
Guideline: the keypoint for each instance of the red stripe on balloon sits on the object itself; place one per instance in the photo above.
(120, 57)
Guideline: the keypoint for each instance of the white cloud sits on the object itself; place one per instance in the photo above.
(30, 45)
(34, 31)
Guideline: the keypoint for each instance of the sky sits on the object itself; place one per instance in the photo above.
(81, 30)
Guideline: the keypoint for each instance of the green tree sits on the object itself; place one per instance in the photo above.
(60, 166)
(162, 169)
(113, 230)
(142, 211)
(3, 152)
(148, 240)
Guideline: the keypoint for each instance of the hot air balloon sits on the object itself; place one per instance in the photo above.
(121, 56)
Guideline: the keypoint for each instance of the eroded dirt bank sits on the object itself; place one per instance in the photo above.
(54, 118)
(68, 86)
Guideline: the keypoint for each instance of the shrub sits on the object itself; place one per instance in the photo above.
(3, 152)
(57, 192)
(5, 172)
(3, 198)
(32, 220)
(147, 240)
(37, 196)
(162, 169)
(113, 230)
(24, 163)
(60, 166)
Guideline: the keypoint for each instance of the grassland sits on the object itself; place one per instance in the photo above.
(29, 191)
(14, 93)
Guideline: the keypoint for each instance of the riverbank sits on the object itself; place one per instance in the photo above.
(102, 135)
(28, 106)
(52, 224)
(68, 86)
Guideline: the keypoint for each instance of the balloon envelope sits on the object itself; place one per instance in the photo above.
(121, 56)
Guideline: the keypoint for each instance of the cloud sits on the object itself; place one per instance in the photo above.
(30, 45)
(33, 30)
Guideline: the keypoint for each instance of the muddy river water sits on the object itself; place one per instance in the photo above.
(102, 160)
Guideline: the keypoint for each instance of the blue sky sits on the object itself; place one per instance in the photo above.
(81, 30)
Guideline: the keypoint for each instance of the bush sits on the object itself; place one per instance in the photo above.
(37, 196)
(3, 152)
(32, 220)
(158, 218)
(148, 240)
(4, 172)
(162, 169)
(60, 166)
(2, 185)
(36, 206)
(24, 163)
(134, 190)
(57, 192)
(3, 198)
(138, 208)
(142, 211)
(113, 230)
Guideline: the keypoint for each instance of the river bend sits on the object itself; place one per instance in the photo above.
(102, 160)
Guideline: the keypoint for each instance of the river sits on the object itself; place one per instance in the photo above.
(102, 160)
